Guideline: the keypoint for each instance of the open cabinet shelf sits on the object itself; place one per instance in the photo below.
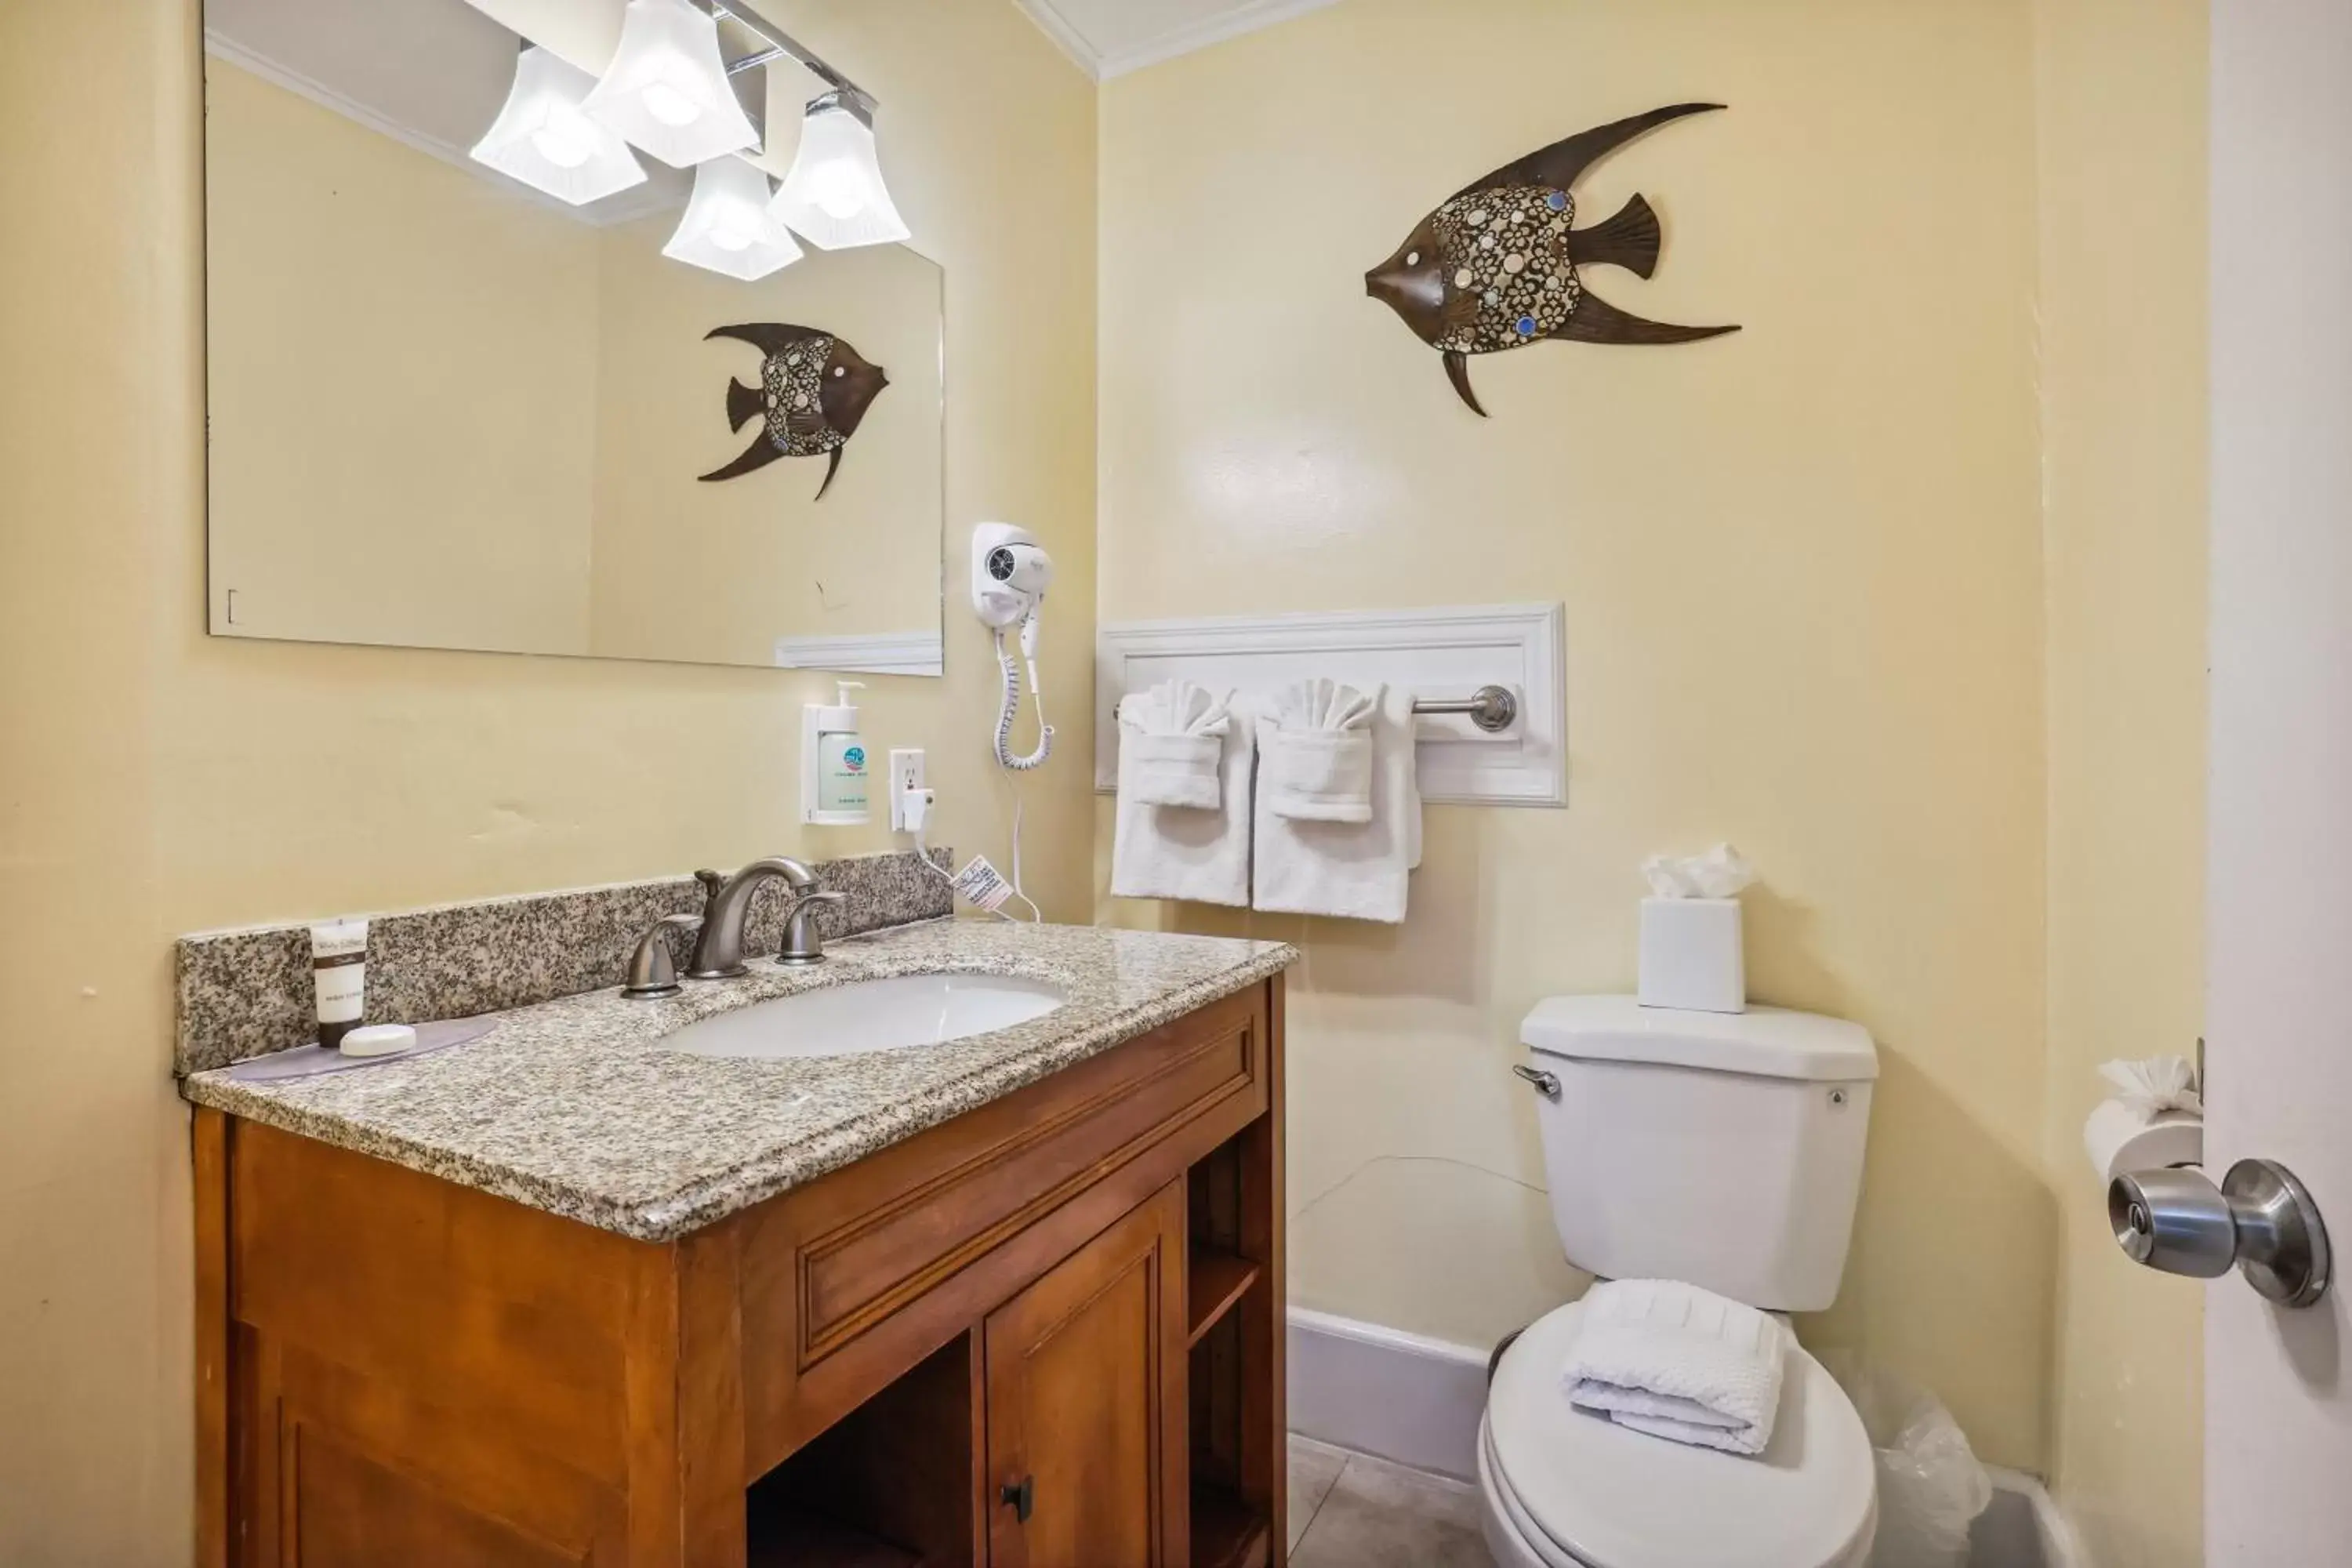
(1233, 1306)
(789, 1538)
(1218, 1280)
(1226, 1531)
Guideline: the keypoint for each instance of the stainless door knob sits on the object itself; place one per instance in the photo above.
(2260, 1220)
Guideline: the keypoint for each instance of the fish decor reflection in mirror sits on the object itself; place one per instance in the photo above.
(814, 390)
(1496, 266)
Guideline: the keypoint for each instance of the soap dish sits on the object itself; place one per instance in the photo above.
(311, 1061)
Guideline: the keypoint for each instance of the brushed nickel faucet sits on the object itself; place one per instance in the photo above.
(719, 946)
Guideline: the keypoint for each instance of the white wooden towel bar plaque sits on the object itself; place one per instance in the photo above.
(1434, 654)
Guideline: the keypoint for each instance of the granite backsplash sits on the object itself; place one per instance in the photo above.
(248, 992)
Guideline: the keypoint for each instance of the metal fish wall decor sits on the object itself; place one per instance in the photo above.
(1498, 266)
(814, 390)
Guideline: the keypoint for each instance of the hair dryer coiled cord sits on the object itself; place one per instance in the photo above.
(1004, 753)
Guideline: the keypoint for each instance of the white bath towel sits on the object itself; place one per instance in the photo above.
(1677, 1362)
(1174, 735)
(1355, 870)
(1185, 851)
(1315, 763)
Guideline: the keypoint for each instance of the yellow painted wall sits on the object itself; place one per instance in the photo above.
(154, 781)
(1802, 572)
(2124, 291)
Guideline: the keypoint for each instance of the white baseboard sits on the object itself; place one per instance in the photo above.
(1417, 1401)
(2023, 1526)
(1384, 1392)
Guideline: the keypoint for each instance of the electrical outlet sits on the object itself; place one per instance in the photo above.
(905, 773)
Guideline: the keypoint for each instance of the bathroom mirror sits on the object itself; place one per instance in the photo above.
(448, 410)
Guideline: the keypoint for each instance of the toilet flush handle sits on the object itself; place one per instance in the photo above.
(1547, 1083)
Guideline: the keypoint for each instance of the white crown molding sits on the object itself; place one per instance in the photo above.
(1231, 23)
(1067, 38)
(1437, 653)
(613, 211)
(1183, 40)
(877, 653)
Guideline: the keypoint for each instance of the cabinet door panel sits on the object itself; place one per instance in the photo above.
(1085, 1404)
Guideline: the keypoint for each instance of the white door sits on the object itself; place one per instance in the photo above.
(2278, 1383)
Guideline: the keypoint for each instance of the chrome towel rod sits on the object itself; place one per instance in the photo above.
(1492, 708)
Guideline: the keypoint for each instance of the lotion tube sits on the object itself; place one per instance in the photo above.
(339, 975)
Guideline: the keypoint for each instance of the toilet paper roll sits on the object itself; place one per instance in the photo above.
(2119, 1139)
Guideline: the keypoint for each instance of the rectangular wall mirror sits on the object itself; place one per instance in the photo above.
(448, 410)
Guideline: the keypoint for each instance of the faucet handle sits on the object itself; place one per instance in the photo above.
(801, 942)
(652, 972)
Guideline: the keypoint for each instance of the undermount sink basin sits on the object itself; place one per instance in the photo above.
(871, 1016)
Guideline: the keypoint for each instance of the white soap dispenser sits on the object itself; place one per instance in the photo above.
(833, 763)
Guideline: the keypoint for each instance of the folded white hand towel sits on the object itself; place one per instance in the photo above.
(1354, 870)
(1185, 850)
(1677, 1362)
(1318, 755)
(1175, 732)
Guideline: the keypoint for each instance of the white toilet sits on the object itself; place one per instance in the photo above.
(1721, 1149)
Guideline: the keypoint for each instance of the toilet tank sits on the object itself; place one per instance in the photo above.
(1723, 1149)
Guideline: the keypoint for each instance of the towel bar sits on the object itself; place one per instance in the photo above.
(1492, 708)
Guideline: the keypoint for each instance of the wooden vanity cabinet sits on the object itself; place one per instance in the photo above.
(1086, 1412)
(1045, 1335)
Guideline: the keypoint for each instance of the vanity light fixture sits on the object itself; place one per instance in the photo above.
(728, 227)
(542, 138)
(670, 91)
(835, 196)
(666, 90)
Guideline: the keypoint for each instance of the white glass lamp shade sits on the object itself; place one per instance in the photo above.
(727, 226)
(835, 196)
(667, 89)
(542, 138)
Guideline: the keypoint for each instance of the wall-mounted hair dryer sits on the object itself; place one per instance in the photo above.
(1010, 574)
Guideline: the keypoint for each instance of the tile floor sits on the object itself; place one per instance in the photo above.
(1350, 1510)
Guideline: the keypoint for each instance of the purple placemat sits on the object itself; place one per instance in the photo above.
(308, 1061)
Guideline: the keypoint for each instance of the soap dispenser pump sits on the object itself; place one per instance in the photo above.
(833, 762)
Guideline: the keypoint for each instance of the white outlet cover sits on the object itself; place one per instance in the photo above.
(905, 773)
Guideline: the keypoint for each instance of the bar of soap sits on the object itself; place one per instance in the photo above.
(378, 1040)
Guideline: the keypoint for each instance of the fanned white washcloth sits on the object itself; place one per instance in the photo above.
(1677, 1362)
(1318, 752)
(1180, 851)
(1174, 735)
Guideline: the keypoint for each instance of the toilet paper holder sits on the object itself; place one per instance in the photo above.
(2260, 1220)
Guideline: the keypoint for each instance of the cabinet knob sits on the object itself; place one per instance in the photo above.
(1022, 1498)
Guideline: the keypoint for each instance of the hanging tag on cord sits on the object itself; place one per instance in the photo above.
(981, 885)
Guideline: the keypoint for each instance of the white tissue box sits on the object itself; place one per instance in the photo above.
(1691, 955)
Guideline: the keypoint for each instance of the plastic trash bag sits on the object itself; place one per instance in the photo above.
(1930, 1487)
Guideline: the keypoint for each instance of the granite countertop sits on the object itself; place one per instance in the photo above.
(575, 1107)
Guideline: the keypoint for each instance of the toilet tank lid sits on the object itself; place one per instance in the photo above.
(1769, 1042)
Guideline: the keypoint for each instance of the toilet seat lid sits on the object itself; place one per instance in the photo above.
(1614, 1497)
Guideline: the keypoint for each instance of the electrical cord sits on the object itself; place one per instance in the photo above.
(923, 854)
(1017, 766)
(1005, 715)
